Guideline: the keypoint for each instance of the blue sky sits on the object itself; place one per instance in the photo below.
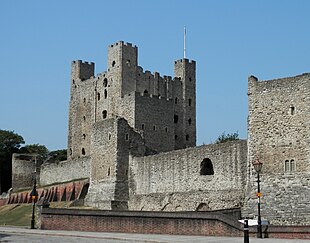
(229, 40)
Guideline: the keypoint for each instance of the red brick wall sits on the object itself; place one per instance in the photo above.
(192, 223)
(182, 223)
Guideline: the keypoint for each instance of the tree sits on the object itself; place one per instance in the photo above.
(10, 143)
(227, 137)
(41, 150)
(58, 155)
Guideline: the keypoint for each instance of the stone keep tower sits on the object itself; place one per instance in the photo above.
(278, 133)
(108, 110)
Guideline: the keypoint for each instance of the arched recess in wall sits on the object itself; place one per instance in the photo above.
(206, 167)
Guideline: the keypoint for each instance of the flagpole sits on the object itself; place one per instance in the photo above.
(184, 41)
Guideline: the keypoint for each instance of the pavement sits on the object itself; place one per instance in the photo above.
(25, 235)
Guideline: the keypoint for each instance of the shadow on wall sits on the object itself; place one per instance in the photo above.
(62, 192)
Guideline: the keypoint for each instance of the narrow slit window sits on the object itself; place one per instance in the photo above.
(189, 102)
(176, 118)
(105, 93)
(105, 82)
(104, 114)
(292, 110)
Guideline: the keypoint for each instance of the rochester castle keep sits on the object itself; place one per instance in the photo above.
(132, 137)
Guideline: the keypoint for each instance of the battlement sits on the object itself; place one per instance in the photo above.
(185, 60)
(293, 82)
(83, 63)
(122, 43)
(82, 70)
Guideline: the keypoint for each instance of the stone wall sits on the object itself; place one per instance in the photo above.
(172, 181)
(65, 171)
(285, 200)
(112, 140)
(23, 167)
(278, 131)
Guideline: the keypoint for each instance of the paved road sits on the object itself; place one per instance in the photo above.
(10, 234)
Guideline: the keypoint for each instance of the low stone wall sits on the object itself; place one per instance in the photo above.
(175, 181)
(65, 171)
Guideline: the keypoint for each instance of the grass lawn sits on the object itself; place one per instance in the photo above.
(16, 215)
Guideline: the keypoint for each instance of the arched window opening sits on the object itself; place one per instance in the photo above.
(187, 137)
(206, 167)
(166, 129)
(176, 100)
(127, 137)
(175, 137)
(98, 96)
(104, 114)
(113, 63)
(142, 126)
(145, 91)
(109, 136)
(289, 166)
(189, 102)
(84, 136)
(84, 118)
(83, 151)
(105, 82)
(292, 165)
(189, 121)
(286, 166)
(105, 93)
(84, 100)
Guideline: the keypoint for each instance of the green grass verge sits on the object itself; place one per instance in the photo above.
(16, 215)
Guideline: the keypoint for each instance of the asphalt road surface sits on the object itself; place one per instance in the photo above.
(12, 235)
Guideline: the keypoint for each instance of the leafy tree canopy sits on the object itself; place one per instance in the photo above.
(10, 142)
(227, 137)
(59, 155)
(35, 149)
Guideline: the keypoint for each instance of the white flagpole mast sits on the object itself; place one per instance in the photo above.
(184, 42)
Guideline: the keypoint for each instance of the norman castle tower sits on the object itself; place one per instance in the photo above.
(162, 109)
